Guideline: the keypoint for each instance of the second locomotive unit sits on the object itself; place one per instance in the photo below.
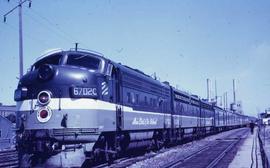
(79, 102)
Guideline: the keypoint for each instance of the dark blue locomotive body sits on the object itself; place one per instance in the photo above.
(101, 108)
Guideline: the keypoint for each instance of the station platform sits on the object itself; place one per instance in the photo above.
(264, 137)
(248, 154)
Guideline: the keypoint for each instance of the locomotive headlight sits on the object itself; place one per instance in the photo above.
(45, 72)
(44, 97)
(44, 114)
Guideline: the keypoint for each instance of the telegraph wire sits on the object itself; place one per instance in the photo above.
(48, 28)
(64, 34)
(55, 25)
(52, 28)
(29, 36)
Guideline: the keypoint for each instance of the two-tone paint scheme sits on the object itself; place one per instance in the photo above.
(84, 101)
(79, 107)
(220, 118)
(193, 115)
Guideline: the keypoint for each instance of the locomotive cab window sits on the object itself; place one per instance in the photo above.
(51, 60)
(85, 61)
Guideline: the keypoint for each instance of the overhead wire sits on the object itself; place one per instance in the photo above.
(26, 34)
(29, 36)
(54, 25)
(64, 34)
(50, 26)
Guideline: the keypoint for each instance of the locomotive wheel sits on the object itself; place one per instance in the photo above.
(28, 160)
(107, 154)
(87, 163)
(104, 150)
(25, 160)
(159, 140)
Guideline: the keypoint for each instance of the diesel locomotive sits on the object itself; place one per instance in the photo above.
(79, 104)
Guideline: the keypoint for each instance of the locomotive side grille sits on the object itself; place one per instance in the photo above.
(74, 131)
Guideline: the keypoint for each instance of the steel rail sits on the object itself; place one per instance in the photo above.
(9, 158)
(220, 157)
(216, 160)
(172, 164)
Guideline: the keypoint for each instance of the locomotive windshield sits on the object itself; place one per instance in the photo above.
(85, 61)
(52, 60)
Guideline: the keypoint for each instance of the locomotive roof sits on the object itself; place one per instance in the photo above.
(139, 74)
(79, 50)
(220, 108)
(194, 97)
(124, 68)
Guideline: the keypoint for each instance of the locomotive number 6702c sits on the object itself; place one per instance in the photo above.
(84, 92)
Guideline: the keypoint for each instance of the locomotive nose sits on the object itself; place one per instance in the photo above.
(45, 72)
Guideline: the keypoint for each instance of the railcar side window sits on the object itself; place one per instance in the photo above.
(137, 99)
(52, 60)
(155, 104)
(151, 102)
(85, 61)
(145, 100)
(132, 98)
(128, 97)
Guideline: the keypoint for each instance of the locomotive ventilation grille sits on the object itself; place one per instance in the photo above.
(74, 131)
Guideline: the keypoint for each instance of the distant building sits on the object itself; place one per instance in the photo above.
(265, 117)
(237, 107)
(7, 126)
(6, 110)
(7, 133)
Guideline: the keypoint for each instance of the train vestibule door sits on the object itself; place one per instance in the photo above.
(116, 75)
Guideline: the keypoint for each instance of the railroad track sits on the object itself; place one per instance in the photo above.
(127, 161)
(223, 145)
(209, 156)
(9, 158)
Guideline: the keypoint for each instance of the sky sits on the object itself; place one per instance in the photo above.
(182, 41)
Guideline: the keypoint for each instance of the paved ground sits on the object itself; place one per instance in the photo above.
(265, 138)
(248, 153)
(183, 151)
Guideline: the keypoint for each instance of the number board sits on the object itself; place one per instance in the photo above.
(88, 92)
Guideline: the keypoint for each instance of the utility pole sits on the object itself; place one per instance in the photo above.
(19, 6)
(234, 96)
(208, 89)
(216, 97)
(225, 101)
(234, 107)
(20, 40)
